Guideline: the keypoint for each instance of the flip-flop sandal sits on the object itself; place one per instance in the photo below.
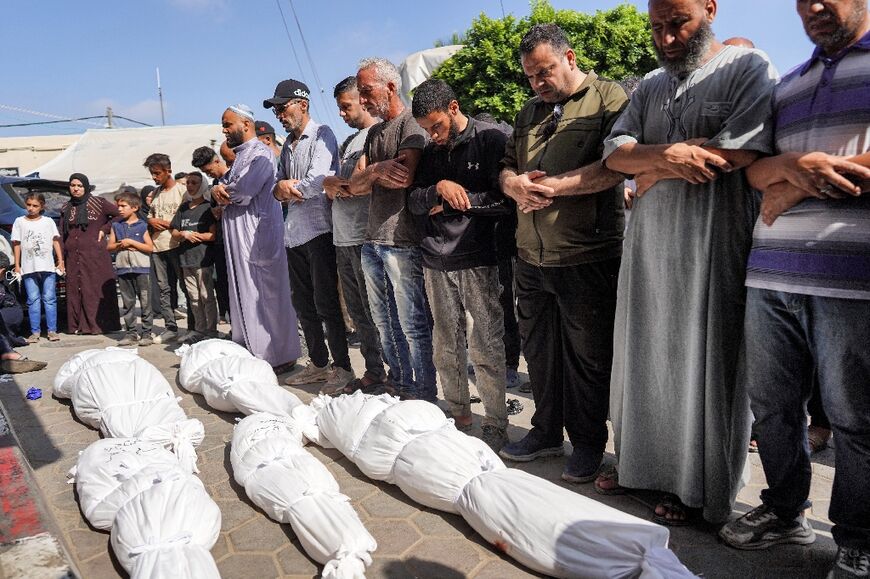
(673, 505)
(610, 476)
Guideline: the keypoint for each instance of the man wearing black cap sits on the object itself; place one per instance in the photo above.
(266, 134)
(309, 155)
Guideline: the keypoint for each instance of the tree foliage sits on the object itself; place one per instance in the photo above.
(486, 72)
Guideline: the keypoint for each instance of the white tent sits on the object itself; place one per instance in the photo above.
(419, 66)
(113, 157)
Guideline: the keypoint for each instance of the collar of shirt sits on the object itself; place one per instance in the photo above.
(862, 44)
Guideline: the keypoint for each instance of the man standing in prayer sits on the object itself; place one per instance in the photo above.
(309, 155)
(678, 403)
(569, 241)
(808, 302)
(391, 256)
(263, 317)
(350, 217)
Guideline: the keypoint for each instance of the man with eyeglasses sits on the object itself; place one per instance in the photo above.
(569, 241)
(309, 155)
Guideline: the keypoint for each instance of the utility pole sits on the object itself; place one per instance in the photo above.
(160, 94)
(109, 113)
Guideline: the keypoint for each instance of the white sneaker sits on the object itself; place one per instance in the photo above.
(338, 378)
(309, 375)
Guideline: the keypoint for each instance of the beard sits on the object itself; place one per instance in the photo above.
(696, 48)
(451, 136)
(842, 35)
(235, 138)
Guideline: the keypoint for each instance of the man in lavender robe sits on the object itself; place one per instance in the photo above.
(263, 317)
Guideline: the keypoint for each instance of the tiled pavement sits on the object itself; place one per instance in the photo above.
(412, 541)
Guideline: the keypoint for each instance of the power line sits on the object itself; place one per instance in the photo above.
(308, 54)
(48, 115)
(57, 121)
(292, 45)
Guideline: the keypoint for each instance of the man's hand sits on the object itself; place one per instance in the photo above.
(530, 196)
(692, 163)
(285, 190)
(158, 224)
(336, 187)
(124, 244)
(454, 194)
(779, 198)
(220, 194)
(392, 173)
(628, 195)
(436, 210)
(822, 175)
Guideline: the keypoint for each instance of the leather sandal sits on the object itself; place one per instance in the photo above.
(607, 482)
(672, 505)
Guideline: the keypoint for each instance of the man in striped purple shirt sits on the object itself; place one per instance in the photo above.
(808, 278)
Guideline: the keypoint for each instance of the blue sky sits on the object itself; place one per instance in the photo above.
(74, 58)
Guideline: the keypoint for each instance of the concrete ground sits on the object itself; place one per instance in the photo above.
(412, 541)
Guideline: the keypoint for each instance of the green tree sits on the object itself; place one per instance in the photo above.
(486, 73)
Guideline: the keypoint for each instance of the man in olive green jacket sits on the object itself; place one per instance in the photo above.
(569, 240)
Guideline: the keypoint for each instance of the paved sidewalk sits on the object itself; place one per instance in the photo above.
(412, 541)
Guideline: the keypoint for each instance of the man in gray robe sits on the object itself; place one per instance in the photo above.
(263, 317)
(678, 403)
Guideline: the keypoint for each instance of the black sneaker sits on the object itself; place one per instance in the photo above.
(532, 446)
(761, 528)
(582, 466)
(851, 563)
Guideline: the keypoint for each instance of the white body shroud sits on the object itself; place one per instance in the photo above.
(545, 527)
(231, 381)
(132, 399)
(292, 486)
(111, 471)
(64, 384)
(167, 530)
(196, 356)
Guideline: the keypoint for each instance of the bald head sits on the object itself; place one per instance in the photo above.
(237, 128)
(739, 41)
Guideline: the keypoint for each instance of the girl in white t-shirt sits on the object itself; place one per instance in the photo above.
(34, 236)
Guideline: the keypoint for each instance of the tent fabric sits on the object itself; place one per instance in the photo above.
(419, 66)
(113, 157)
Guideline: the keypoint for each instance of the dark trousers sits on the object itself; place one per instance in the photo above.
(566, 319)
(132, 286)
(356, 298)
(506, 299)
(314, 292)
(222, 283)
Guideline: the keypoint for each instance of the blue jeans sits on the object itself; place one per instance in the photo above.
(403, 323)
(787, 336)
(40, 290)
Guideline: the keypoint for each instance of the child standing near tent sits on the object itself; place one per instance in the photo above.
(132, 242)
(34, 236)
(194, 228)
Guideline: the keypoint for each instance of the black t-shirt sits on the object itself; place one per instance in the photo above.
(198, 219)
